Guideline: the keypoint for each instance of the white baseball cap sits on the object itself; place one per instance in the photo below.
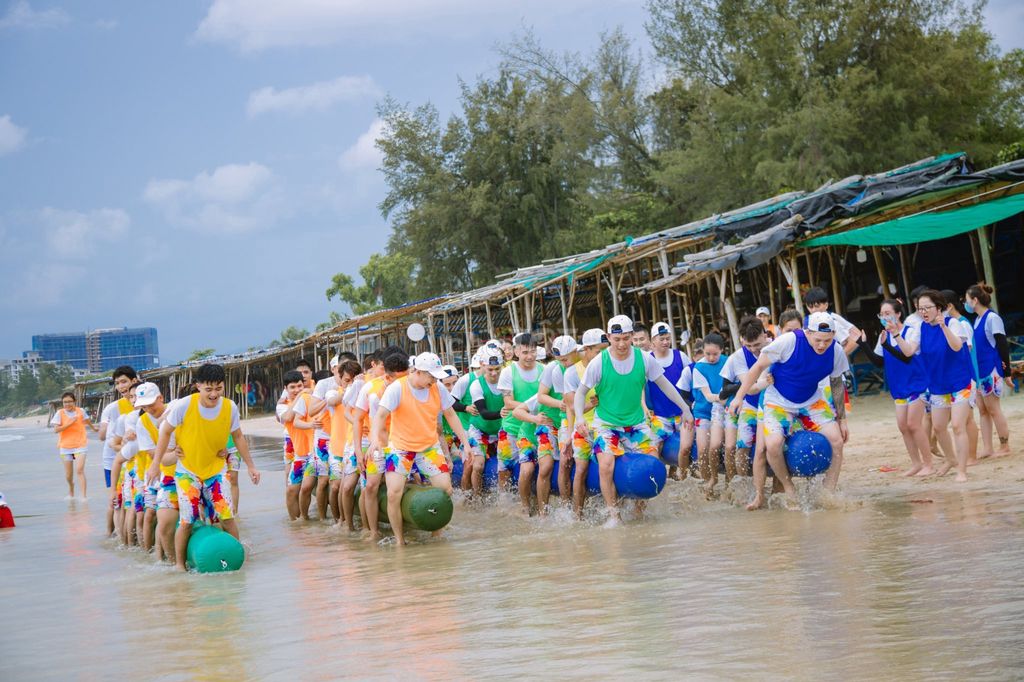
(821, 322)
(542, 353)
(660, 328)
(594, 337)
(522, 339)
(474, 362)
(492, 357)
(428, 362)
(335, 361)
(146, 394)
(492, 343)
(620, 324)
(563, 345)
(762, 311)
(451, 370)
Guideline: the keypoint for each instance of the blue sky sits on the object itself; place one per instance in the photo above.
(206, 167)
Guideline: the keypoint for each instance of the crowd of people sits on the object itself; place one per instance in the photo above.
(389, 418)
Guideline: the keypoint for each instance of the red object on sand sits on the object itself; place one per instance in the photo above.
(6, 517)
(887, 469)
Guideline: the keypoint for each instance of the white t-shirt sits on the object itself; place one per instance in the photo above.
(912, 335)
(913, 320)
(366, 402)
(529, 376)
(780, 350)
(177, 409)
(843, 327)
(55, 421)
(963, 329)
(352, 393)
(571, 380)
(459, 389)
(667, 360)
(131, 422)
(145, 440)
(552, 377)
(109, 416)
(476, 391)
(993, 325)
(685, 382)
(320, 391)
(393, 394)
(592, 376)
(735, 367)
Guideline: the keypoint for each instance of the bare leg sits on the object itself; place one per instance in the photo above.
(181, 537)
(348, 489)
(972, 438)
(579, 486)
(230, 526)
(902, 423)
(306, 495)
(526, 485)
(915, 424)
(994, 407)
(717, 436)
(773, 452)
(369, 497)
(606, 464)
(69, 476)
(961, 418)
(544, 469)
(477, 475)
(291, 498)
(730, 454)
(396, 488)
(80, 474)
(165, 519)
(835, 438)
(686, 437)
(760, 474)
(940, 424)
(233, 480)
(322, 497)
(334, 493)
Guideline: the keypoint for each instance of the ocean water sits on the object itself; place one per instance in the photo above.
(888, 588)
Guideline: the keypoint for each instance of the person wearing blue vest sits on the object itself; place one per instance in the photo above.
(908, 384)
(741, 429)
(664, 415)
(947, 362)
(993, 353)
(619, 375)
(708, 411)
(965, 330)
(800, 361)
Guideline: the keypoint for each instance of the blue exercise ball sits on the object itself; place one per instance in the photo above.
(670, 450)
(636, 476)
(808, 453)
(457, 469)
(490, 472)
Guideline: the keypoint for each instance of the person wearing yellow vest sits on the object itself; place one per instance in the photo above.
(70, 423)
(145, 430)
(619, 375)
(300, 427)
(345, 373)
(202, 423)
(122, 495)
(581, 446)
(372, 462)
(122, 378)
(518, 382)
(161, 493)
(414, 404)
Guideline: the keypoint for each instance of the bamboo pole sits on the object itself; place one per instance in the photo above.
(528, 304)
(905, 272)
(792, 274)
(771, 291)
(467, 317)
(565, 311)
(979, 268)
(600, 302)
(490, 321)
(730, 310)
(837, 294)
(614, 287)
(883, 276)
(985, 246)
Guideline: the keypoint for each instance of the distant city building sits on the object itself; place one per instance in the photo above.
(29, 363)
(100, 350)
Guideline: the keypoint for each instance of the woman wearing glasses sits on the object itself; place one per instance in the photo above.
(943, 347)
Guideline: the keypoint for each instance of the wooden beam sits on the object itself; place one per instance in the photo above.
(730, 310)
(792, 274)
(837, 292)
(600, 301)
(467, 317)
(883, 276)
(979, 267)
(490, 321)
(905, 272)
(772, 296)
(985, 247)
(565, 310)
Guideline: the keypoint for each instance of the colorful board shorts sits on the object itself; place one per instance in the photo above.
(717, 418)
(430, 462)
(944, 400)
(779, 420)
(149, 496)
(318, 463)
(127, 487)
(618, 440)
(296, 469)
(71, 454)
(341, 466)
(910, 399)
(663, 428)
(202, 498)
(545, 443)
(233, 460)
(991, 385)
(167, 493)
(289, 449)
(507, 450)
(117, 501)
(486, 443)
(583, 446)
(745, 424)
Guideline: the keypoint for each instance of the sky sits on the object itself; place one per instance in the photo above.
(206, 167)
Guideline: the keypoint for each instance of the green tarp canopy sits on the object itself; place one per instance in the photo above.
(925, 227)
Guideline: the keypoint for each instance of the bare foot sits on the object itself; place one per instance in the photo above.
(961, 478)
(981, 455)
(926, 471)
(790, 503)
(1002, 452)
(912, 471)
(756, 503)
(945, 469)
(374, 536)
(971, 461)
(612, 522)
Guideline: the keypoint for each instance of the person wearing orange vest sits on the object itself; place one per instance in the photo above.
(70, 423)
(345, 374)
(414, 403)
(372, 462)
(300, 429)
(122, 378)
(202, 423)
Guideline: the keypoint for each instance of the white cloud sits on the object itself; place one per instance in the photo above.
(231, 198)
(21, 15)
(75, 234)
(315, 97)
(364, 153)
(12, 137)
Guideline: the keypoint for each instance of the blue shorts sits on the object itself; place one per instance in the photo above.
(106, 476)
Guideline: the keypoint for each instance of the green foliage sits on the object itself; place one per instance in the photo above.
(333, 320)
(199, 354)
(1011, 152)
(289, 335)
(556, 154)
(30, 391)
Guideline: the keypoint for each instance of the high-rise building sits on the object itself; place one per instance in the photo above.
(101, 350)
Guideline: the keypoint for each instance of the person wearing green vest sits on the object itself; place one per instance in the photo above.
(582, 446)
(544, 429)
(619, 376)
(466, 410)
(518, 383)
(489, 402)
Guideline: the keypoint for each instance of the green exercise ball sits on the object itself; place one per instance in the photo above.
(424, 507)
(211, 550)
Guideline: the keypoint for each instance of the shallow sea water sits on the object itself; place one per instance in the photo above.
(882, 588)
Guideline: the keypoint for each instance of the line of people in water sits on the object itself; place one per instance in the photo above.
(391, 418)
